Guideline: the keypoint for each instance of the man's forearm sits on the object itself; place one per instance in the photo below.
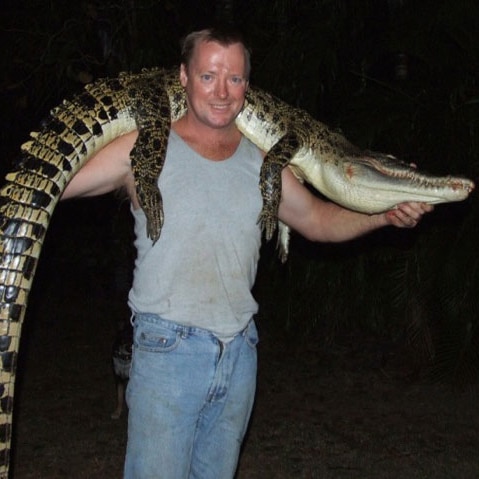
(336, 224)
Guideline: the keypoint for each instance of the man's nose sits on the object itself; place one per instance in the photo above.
(221, 89)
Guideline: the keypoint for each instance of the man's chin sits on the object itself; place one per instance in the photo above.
(221, 123)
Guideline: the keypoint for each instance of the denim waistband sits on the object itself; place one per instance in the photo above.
(183, 330)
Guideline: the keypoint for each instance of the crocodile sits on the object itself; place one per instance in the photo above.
(148, 101)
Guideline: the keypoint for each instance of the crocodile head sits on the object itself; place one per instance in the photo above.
(372, 182)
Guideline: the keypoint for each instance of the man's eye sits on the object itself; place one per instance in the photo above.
(237, 80)
(206, 77)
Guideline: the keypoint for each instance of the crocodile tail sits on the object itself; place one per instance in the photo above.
(72, 133)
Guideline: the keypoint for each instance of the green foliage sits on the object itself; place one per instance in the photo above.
(57, 46)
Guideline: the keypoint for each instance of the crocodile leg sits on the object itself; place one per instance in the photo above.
(270, 180)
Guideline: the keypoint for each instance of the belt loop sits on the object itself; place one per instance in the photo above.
(132, 318)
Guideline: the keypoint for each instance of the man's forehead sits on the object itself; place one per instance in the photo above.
(209, 51)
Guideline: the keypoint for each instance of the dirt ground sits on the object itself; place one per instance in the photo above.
(320, 412)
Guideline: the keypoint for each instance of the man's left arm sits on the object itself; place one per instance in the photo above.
(319, 220)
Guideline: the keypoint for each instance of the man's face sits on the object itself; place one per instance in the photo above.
(215, 83)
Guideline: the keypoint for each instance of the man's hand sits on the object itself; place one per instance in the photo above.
(407, 215)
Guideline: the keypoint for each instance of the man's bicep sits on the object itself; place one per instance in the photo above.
(106, 171)
(296, 201)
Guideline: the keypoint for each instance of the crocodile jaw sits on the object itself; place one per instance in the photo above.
(374, 183)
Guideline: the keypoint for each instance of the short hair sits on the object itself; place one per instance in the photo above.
(224, 37)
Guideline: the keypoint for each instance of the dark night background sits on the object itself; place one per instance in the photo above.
(399, 76)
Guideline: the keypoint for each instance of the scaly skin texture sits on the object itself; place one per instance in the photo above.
(149, 101)
(364, 181)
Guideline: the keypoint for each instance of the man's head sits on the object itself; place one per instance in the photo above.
(223, 37)
(214, 72)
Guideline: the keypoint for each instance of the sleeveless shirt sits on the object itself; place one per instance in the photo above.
(201, 270)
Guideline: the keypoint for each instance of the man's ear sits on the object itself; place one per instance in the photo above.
(183, 75)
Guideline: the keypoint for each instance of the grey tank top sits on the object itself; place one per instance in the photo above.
(201, 271)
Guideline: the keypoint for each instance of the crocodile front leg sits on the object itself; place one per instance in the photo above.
(275, 160)
(151, 108)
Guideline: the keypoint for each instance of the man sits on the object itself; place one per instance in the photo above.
(193, 375)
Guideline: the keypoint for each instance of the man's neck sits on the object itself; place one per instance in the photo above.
(212, 143)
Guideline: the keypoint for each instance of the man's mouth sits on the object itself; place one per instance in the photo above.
(217, 106)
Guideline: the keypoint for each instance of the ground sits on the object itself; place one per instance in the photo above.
(321, 412)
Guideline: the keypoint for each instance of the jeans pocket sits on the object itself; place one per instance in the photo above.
(154, 338)
(251, 335)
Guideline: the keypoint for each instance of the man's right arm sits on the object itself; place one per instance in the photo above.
(108, 170)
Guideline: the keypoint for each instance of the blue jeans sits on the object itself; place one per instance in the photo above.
(190, 398)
